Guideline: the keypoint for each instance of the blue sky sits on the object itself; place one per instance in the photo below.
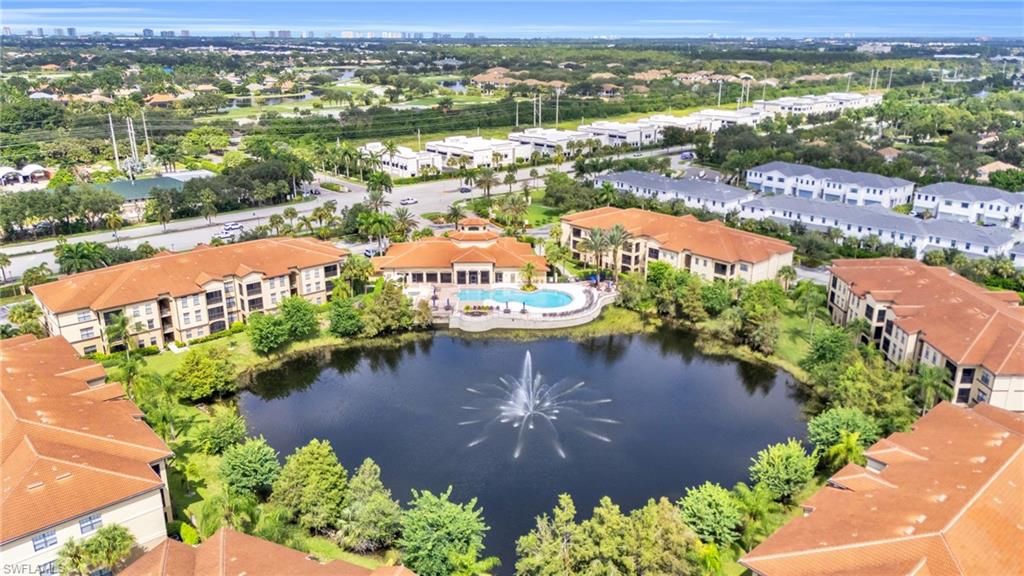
(534, 18)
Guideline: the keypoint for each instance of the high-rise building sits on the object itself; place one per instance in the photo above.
(7, 30)
(311, 34)
(252, 33)
(40, 31)
(284, 33)
(147, 33)
(167, 33)
(271, 34)
(58, 31)
(185, 33)
(72, 32)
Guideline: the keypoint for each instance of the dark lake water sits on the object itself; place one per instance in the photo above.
(679, 418)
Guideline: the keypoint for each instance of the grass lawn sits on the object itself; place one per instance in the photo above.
(14, 299)
(325, 550)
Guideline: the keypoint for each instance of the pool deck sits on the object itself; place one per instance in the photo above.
(586, 305)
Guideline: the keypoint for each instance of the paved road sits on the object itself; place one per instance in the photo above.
(816, 275)
(433, 196)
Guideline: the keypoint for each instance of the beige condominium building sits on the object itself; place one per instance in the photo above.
(710, 250)
(931, 315)
(471, 255)
(176, 297)
(75, 455)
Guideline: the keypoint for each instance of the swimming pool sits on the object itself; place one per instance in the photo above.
(538, 299)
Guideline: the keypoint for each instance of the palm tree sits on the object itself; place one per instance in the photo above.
(276, 222)
(757, 505)
(290, 214)
(470, 563)
(208, 204)
(515, 209)
(74, 558)
(847, 450)
(163, 210)
(379, 181)
(786, 275)
(617, 237)
(240, 511)
(376, 225)
(405, 222)
(110, 546)
(556, 255)
(810, 298)
(376, 201)
(114, 223)
(528, 272)
(357, 270)
(596, 243)
(308, 223)
(158, 395)
(534, 174)
(525, 187)
(454, 214)
(130, 366)
(606, 193)
(5, 263)
(80, 256)
(929, 386)
(509, 179)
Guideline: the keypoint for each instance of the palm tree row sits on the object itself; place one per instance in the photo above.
(602, 241)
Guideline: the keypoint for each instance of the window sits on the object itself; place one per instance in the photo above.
(417, 277)
(499, 277)
(149, 309)
(744, 267)
(90, 523)
(84, 315)
(136, 311)
(87, 333)
(431, 277)
(963, 395)
(199, 315)
(967, 376)
(195, 299)
(89, 349)
(44, 540)
(446, 277)
(229, 288)
(253, 288)
(187, 317)
(188, 335)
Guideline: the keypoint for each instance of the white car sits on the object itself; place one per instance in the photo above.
(232, 226)
(224, 235)
(408, 201)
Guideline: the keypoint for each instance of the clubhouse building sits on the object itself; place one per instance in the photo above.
(176, 297)
(710, 250)
(471, 255)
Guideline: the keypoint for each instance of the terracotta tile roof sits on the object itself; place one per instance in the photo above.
(948, 501)
(466, 236)
(231, 553)
(69, 443)
(474, 221)
(440, 252)
(181, 273)
(685, 234)
(965, 322)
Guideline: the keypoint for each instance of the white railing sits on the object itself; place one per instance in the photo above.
(517, 320)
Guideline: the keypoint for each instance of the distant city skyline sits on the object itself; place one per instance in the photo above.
(531, 18)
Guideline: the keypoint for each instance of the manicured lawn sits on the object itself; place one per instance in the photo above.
(14, 299)
(325, 550)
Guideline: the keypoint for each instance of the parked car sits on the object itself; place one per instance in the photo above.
(408, 201)
(232, 226)
(371, 252)
(465, 190)
(224, 235)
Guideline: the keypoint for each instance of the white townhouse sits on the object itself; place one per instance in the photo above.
(714, 120)
(478, 151)
(814, 104)
(970, 203)
(691, 192)
(404, 162)
(549, 141)
(1017, 255)
(830, 184)
(890, 227)
(624, 133)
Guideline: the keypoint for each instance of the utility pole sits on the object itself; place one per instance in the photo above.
(540, 110)
(113, 142)
(849, 78)
(145, 132)
(517, 113)
(556, 107)
(719, 93)
(131, 138)
(888, 85)
(419, 146)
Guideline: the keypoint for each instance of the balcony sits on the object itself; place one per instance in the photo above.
(214, 298)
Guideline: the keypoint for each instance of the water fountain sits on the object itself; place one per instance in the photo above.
(527, 400)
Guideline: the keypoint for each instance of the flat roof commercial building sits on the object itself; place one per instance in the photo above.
(830, 184)
(76, 456)
(691, 192)
(943, 499)
(471, 255)
(404, 162)
(815, 104)
(477, 151)
(632, 134)
(710, 250)
(921, 314)
(890, 227)
(970, 203)
(548, 141)
(175, 297)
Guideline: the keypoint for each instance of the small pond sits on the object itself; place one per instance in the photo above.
(652, 416)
